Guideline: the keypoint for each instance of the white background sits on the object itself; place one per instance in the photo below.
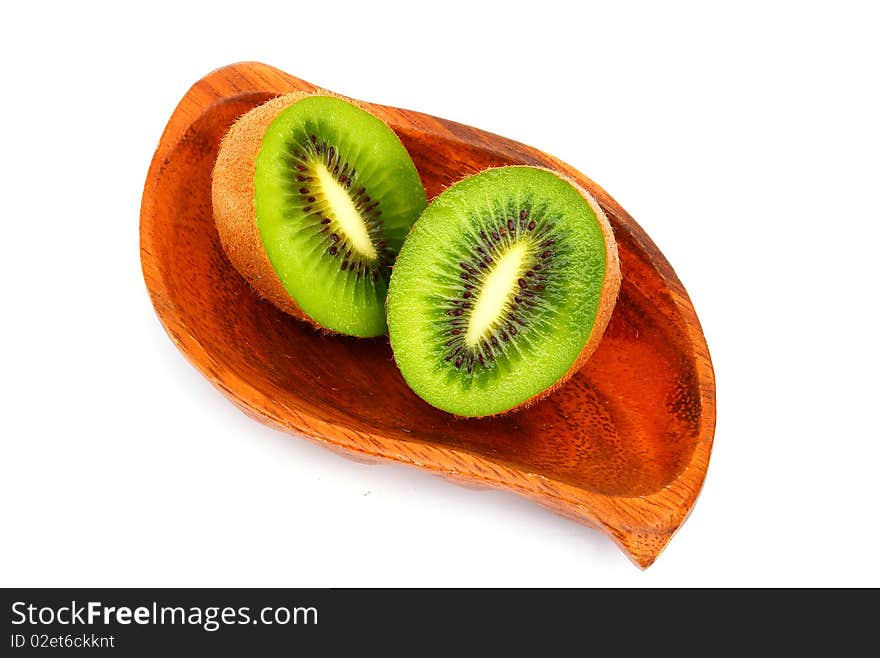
(744, 140)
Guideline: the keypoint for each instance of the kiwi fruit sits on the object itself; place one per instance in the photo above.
(501, 291)
(312, 197)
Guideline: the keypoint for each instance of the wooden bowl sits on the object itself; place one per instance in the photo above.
(622, 447)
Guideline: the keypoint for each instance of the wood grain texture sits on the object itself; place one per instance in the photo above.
(623, 446)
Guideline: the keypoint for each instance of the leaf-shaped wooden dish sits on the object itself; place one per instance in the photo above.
(623, 446)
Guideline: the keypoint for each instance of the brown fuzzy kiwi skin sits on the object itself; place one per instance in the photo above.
(232, 200)
(607, 298)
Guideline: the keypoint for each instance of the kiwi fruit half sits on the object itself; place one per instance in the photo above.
(312, 197)
(502, 290)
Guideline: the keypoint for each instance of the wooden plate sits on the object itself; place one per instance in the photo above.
(622, 447)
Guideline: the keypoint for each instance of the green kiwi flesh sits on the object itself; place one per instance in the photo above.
(335, 192)
(499, 289)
